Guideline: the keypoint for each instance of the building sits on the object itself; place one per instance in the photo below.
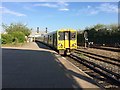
(34, 34)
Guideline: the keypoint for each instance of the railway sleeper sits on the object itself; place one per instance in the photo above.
(90, 56)
(103, 68)
(86, 63)
(99, 55)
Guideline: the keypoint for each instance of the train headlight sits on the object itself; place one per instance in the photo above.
(73, 44)
(60, 45)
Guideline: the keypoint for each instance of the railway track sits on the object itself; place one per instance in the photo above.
(98, 55)
(107, 48)
(104, 48)
(105, 72)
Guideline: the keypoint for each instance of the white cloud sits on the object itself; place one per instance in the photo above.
(88, 6)
(61, 6)
(47, 5)
(29, 7)
(87, 11)
(4, 10)
(63, 3)
(107, 7)
(104, 7)
(93, 12)
(64, 9)
(1, 7)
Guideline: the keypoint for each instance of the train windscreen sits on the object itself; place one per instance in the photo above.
(61, 35)
(73, 35)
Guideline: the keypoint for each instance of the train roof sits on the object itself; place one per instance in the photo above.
(50, 33)
(66, 30)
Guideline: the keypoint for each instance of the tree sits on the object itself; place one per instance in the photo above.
(102, 34)
(15, 33)
(99, 26)
(18, 37)
(6, 38)
(19, 27)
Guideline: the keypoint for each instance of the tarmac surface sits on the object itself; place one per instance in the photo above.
(37, 66)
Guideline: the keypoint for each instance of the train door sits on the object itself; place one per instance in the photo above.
(67, 39)
(55, 40)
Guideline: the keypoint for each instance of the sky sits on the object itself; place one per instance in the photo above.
(58, 15)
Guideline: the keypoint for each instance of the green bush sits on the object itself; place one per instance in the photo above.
(17, 27)
(18, 37)
(6, 38)
(16, 33)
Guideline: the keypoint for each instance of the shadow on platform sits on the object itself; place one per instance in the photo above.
(43, 46)
(35, 69)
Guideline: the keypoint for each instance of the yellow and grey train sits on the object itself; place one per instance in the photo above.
(63, 40)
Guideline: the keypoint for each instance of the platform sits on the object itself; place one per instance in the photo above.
(36, 66)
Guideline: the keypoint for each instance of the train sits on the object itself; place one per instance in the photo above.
(63, 40)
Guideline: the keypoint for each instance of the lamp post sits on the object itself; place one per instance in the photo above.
(37, 29)
(46, 30)
(86, 38)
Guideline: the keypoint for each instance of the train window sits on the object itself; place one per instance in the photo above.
(73, 35)
(44, 38)
(61, 35)
(50, 38)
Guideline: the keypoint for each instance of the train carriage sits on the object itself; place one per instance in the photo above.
(63, 40)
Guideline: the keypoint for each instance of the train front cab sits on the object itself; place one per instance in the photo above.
(67, 41)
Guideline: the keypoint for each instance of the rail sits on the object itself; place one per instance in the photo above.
(97, 68)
